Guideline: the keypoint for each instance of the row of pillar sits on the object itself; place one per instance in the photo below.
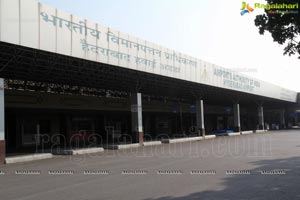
(236, 117)
(137, 122)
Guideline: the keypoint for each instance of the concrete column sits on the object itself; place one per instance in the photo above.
(200, 117)
(261, 117)
(282, 119)
(136, 118)
(180, 118)
(296, 119)
(236, 117)
(2, 133)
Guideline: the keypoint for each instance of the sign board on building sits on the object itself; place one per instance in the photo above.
(35, 25)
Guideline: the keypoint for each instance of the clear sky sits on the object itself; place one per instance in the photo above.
(213, 31)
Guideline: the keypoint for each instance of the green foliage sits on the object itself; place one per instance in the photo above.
(284, 27)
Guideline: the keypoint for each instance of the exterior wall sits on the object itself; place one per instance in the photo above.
(39, 26)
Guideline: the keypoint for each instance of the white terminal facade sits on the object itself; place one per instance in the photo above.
(68, 76)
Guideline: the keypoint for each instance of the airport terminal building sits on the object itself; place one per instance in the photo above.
(66, 81)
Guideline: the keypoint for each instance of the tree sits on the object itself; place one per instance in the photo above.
(284, 27)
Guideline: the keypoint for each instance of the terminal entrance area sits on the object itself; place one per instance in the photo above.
(36, 130)
(42, 121)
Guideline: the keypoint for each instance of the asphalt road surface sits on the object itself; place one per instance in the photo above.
(257, 166)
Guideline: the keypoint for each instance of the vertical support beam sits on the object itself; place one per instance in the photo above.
(261, 117)
(68, 131)
(282, 119)
(236, 117)
(296, 119)
(2, 130)
(200, 117)
(136, 118)
(180, 118)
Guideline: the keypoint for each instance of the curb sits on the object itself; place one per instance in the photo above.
(233, 134)
(246, 132)
(121, 146)
(153, 143)
(210, 137)
(179, 140)
(77, 151)
(259, 131)
(27, 158)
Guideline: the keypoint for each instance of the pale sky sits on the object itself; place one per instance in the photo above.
(213, 31)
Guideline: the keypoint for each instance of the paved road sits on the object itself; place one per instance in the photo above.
(258, 166)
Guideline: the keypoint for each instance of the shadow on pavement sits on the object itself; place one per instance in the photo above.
(257, 185)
